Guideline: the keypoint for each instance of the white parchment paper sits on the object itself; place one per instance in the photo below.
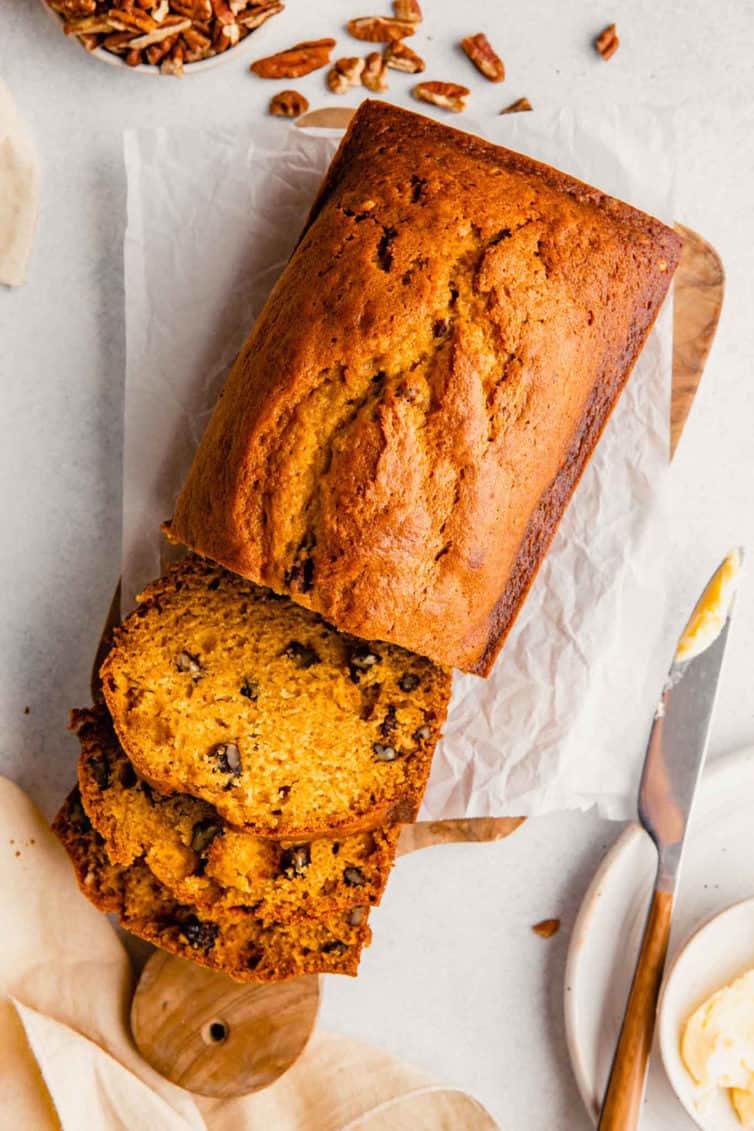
(563, 718)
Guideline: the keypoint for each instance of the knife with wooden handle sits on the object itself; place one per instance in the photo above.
(674, 759)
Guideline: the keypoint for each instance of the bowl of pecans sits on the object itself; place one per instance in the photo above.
(161, 37)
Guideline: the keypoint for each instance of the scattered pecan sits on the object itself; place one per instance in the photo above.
(285, 104)
(448, 95)
(547, 928)
(517, 106)
(132, 58)
(607, 42)
(380, 29)
(337, 81)
(301, 59)
(479, 50)
(400, 57)
(408, 10)
(374, 75)
(351, 67)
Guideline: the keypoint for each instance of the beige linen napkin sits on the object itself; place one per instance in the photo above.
(19, 193)
(66, 1053)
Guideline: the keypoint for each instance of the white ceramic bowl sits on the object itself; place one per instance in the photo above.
(147, 68)
(719, 951)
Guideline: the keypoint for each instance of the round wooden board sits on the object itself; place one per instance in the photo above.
(215, 1036)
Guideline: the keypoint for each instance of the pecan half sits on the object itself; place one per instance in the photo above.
(164, 31)
(301, 59)
(517, 106)
(194, 9)
(88, 25)
(337, 81)
(172, 64)
(159, 51)
(222, 12)
(285, 104)
(226, 35)
(408, 10)
(124, 19)
(448, 95)
(374, 75)
(256, 15)
(380, 29)
(607, 42)
(401, 57)
(351, 67)
(479, 50)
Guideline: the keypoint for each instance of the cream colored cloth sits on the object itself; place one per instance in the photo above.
(67, 1059)
(19, 193)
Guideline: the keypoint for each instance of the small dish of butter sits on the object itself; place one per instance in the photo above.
(706, 1021)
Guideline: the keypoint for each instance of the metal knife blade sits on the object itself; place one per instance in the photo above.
(674, 759)
(680, 732)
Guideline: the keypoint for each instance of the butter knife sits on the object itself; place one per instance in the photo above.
(672, 765)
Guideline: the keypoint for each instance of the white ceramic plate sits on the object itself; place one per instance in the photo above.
(717, 953)
(718, 870)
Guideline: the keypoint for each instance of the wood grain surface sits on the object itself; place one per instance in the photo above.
(215, 1036)
(621, 1108)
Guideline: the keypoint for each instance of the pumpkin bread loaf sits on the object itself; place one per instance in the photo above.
(233, 941)
(405, 425)
(202, 861)
(222, 690)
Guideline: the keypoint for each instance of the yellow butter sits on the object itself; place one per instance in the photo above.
(717, 1045)
(709, 616)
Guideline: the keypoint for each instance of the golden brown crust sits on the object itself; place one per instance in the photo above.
(202, 861)
(403, 429)
(233, 941)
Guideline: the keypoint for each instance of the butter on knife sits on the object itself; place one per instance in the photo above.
(709, 616)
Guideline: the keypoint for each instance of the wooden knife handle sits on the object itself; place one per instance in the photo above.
(625, 1087)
